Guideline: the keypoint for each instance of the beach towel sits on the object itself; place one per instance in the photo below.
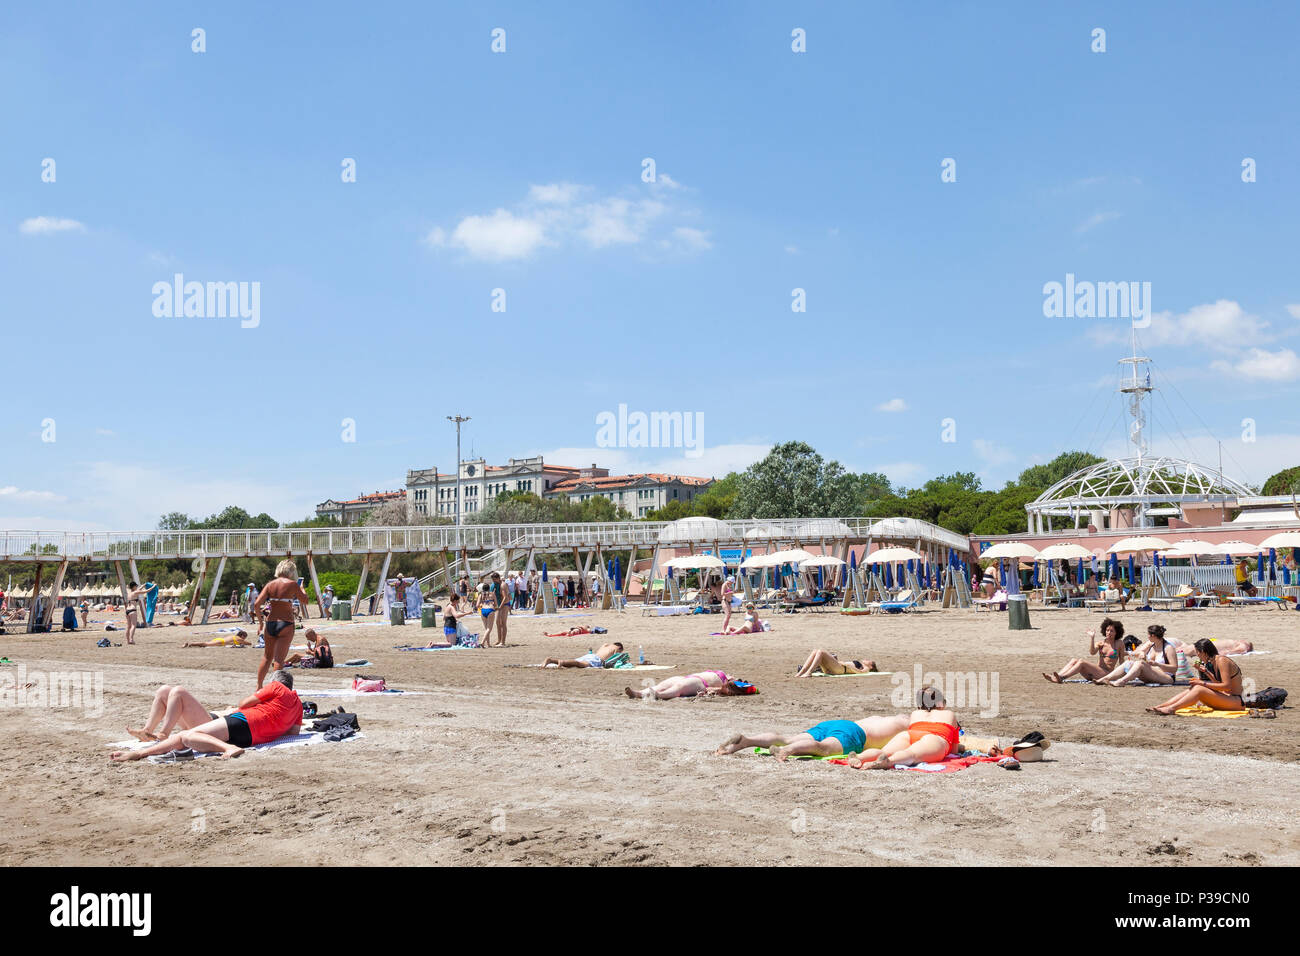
(1200, 710)
(852, 674)
(764, 752)
(949, 764)
(667, 611)
(642, 667)
(352, 693)
(297, 740)
(407, 647)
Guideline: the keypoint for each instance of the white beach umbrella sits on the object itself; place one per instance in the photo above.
(1010, 549)
(1283, 539)
(1140, 543)
(1238, 548)
(1063, 552)
(793, 556)
(757, 561)
(1189, 547)
(891, 556)
(691, 561)
(822, 561)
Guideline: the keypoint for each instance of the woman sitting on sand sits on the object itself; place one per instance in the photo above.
(752, 625)
(319, 653)
(1107, 652)
(1155, 662)
(690, 685)
(932, 733)
(828, 663)
(1217, 687)
(830, 738)
(238, 639)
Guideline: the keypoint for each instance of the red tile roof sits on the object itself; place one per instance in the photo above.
(614, 481)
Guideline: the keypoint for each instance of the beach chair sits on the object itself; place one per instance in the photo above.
(905, 601)
(998, 602)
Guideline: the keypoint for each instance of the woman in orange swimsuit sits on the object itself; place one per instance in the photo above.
(931, 735)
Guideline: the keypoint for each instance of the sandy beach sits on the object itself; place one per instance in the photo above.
(496, 764)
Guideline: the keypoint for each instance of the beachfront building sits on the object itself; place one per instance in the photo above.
(637, 494)
(433, 493)
(353, 512)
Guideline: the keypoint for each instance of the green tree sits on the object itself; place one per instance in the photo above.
(1285, 482)
(1043, 477)
(794, 481)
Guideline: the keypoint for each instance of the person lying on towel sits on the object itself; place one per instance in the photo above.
(830, 738)
(1230, 647)
(932, 733)
(238, 639)
(1218, 685)
(596, 658)
(571, 632)
(828, 663)
(319, 653)
(705, 683)
(273, 711)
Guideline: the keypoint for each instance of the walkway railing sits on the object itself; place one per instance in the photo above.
(54, 546)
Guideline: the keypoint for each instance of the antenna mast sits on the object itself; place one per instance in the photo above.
(1136, 384)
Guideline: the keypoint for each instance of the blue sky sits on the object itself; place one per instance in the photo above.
(522, 171)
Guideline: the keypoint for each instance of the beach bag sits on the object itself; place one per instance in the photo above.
(1269, 697)
(745, 687)
(618, 660)
(1184, 672)
(364, 685)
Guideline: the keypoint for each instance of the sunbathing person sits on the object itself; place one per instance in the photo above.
(830, 738)
(752, 625)
(688, 685)
(319, 653)
(571, 632)
(238, 639)
(273, 711)
(596, 658)
(1155, 662)
(1229, 647)
(1217, 687)
(932, 733)
(1108, 651)
(828, 663)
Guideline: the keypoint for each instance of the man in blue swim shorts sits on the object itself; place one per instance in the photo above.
(830, 738)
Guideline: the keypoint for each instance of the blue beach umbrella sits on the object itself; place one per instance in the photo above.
(1259, 566)
(1080, 579)
(543, 570)
(1272, 564)
(889, 576)
(618, 578)
(1131, 579)
(1035, 574)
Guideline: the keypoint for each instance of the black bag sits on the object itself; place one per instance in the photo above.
(336, 720)
(1270, 697)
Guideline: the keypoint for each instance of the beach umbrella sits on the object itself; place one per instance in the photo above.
(820, 585)
(1272, 564)
(889, 577)
(1259, 566)
(1114, 566)
(1283, 539)
(544, 578)
(853, 560)
(1058, 552)
(1131, 579)
(1011, 549)
(618, 580)
(689, 561)
(1141, 543)
(822, 561)
(1035, 574)
(885, 555)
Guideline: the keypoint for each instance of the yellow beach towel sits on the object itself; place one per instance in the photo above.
(1200, 710)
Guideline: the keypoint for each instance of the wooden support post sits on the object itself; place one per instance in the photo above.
(315, 583)
(212, 595)
(361, 583)
(55, 589)
(650, 579)
(198, 590)
(36, 599)
(447, 573)
(381, 585)
(121, 581)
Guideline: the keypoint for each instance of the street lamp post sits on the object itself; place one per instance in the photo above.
(458, 419)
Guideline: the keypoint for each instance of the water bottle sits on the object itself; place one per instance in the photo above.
(641, 655)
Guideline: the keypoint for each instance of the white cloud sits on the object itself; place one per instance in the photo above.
(559, 193)
(551, 216)
(792, 250)
(663, 179)
(13, 493)
(1095, 220)
(692, 240)
(893, 405)
(1294, 310)
(47, 225)
(1280, 366)
(108, 432)
(495, 238)
(1220, 326)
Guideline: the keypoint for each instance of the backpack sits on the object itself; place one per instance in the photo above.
(1270, 697)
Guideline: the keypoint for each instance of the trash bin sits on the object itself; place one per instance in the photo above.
(343, 611)
(428, 616)
(1017, 612)
(397, 614)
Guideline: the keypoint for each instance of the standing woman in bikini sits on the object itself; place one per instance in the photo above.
(502, 616)
(279, 620)
(1218, 687)
(486, 610)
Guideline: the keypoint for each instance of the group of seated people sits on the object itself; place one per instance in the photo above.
(1212, 678)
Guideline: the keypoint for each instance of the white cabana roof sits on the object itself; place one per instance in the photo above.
(696, 528)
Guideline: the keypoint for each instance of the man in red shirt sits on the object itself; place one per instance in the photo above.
(271, 713)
